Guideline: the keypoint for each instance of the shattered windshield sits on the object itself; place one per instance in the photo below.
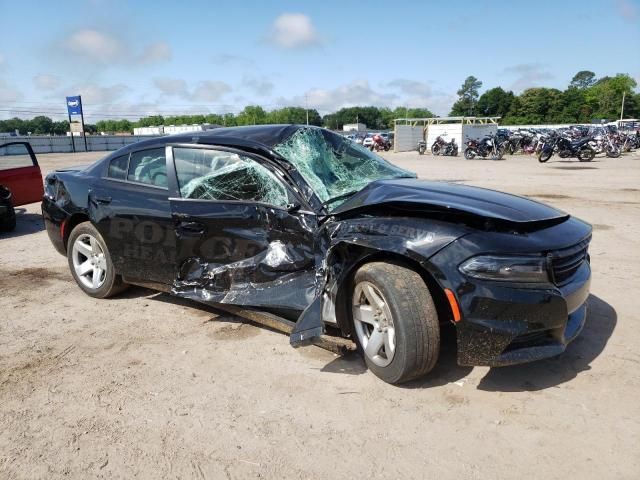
(334, 166)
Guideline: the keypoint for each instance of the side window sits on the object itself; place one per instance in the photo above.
(14, 156)
(218, 175)
(118, 167)
(148, 166)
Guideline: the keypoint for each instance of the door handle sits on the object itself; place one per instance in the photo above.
(192, 228)
(104, 200)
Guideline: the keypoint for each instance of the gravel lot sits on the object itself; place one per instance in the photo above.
(151, 386)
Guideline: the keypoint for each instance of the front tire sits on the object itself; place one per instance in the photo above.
(395, 323)
(435, 149)
(545, 155)
(586, 155)
(90, 263)
(613, 152)
(469, 154)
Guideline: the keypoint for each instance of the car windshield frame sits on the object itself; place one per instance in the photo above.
(334, 167)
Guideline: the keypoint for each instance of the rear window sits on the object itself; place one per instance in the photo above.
(148, 166)
(118, 167)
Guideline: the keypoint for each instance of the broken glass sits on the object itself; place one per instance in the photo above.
(225, 176)
(333, 165)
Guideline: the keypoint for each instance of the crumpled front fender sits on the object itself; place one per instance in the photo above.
(348, 243)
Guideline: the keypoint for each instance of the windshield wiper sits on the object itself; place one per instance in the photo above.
(339, 197)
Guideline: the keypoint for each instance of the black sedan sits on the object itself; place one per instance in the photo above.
(304, 224)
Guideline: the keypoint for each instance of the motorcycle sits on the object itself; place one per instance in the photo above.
(422, 147)
(488, 146)
(565, 148)
(442, 147)
(380, 144)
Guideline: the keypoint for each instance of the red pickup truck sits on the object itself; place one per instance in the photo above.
(20, 181)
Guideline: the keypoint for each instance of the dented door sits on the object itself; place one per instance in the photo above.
(240, 237)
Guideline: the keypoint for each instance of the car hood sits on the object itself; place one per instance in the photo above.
(453, 197)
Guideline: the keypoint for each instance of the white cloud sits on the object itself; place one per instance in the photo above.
(527, 75)
(262, 87)
(293, 30)
(226, 59)
(155, 53)
(102, 48)
(45, 81)
(93, 94)
(209, 91)
(204, 91)
(171, 86)
(94, 46)
(396, 93)
(1, 60)
(9, 94)
(352, 94)
(417, 94)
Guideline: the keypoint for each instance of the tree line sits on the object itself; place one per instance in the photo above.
(585, 99)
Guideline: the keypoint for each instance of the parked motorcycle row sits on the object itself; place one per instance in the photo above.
(489, 146)
(580, 142)
(583, 143)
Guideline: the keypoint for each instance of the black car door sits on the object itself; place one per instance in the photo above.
(130, 207)
(241, 235)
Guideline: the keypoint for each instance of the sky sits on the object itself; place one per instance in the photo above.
(131, 59)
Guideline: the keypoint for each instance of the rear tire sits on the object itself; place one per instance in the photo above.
(90, 263)
(395, 323)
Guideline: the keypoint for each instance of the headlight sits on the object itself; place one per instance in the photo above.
(507, 268)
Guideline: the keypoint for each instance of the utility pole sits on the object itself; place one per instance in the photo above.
(306, 106)
(622, 109)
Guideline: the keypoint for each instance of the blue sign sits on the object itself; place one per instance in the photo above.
(74, 105)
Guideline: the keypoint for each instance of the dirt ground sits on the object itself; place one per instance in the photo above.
(147, 385)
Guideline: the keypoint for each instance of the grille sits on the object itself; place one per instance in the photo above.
(566, 262)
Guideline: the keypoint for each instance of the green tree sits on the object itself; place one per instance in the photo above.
(494, 102)
(252, 115)
(294, 115)
(152, 121)
(467, 97)
(41, 125)
(605, 97)
(583, 79)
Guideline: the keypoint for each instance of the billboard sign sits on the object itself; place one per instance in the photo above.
(74, 105)
(76, 127)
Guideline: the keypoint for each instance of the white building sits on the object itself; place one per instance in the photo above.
(410, 131)
(354, 127)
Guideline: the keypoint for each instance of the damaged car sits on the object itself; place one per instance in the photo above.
(305, 225)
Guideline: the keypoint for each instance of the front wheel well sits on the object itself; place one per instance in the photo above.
(343, 298)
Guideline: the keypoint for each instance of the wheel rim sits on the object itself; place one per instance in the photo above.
(89, 261)
(373, 324)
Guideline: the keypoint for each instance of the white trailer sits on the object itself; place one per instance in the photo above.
(410, 131)
(354, 127)
(149, 130)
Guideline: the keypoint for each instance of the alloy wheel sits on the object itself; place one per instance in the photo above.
(89, 261)
(373, 324)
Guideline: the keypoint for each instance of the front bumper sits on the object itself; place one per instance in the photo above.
(506, 325)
